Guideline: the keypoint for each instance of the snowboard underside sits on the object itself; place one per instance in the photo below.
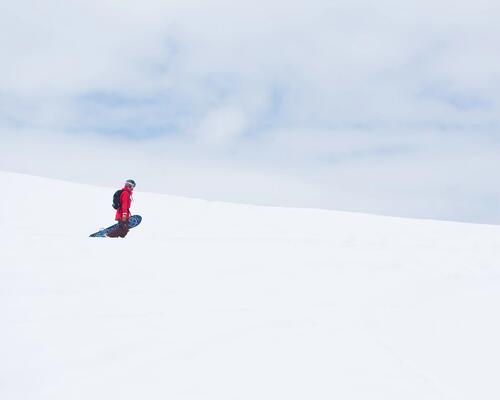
(133, 221)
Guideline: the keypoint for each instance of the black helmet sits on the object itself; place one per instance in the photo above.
(130, 182)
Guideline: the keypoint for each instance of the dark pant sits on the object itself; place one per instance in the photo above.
(120, 231)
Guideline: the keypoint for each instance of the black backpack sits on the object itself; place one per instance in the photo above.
(117, 203)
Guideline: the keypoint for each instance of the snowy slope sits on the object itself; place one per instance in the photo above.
(208, 300)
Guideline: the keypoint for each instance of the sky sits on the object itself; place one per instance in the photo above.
(385, 106)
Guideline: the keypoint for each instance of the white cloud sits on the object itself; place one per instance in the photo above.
(377, 106)
(221, 126)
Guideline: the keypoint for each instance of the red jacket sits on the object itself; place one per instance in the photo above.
(126, 201)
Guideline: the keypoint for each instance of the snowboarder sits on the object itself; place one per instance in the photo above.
(123, 211)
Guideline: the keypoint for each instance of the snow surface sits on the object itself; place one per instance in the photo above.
(208, 300)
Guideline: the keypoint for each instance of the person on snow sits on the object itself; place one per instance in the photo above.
(123, 212)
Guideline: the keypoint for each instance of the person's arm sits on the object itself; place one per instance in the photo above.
(125, 205)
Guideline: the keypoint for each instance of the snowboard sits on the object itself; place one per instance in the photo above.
(133, 221)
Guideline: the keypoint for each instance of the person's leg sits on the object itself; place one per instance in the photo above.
(120, 231)
(124, 229)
